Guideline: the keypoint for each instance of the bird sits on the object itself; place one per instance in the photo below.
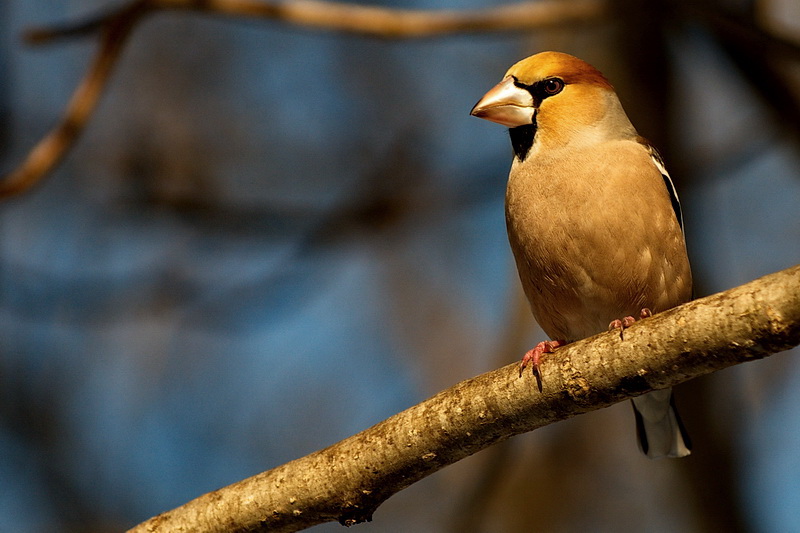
(593, 219)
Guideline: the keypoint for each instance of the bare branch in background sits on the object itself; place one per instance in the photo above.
(372, 21)
(55, 145)
(114, 28)
(349, 480)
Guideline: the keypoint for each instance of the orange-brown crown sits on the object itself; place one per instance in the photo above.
(557, 64)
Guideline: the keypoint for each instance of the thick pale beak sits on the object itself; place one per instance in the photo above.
(506, 104)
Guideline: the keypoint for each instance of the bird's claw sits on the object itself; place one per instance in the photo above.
(628, 321)
(534, 355)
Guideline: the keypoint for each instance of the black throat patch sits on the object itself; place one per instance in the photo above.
(522, 139)
(522, 136)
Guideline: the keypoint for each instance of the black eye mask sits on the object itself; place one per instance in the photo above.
(522, 136)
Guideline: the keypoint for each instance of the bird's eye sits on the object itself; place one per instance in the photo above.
(552, 86)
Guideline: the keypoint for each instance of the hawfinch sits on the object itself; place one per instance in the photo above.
(592, 218)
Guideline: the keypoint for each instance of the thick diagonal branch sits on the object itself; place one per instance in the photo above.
(349, 480)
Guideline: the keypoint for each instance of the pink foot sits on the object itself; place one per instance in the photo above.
(533, 357)
(626, 322)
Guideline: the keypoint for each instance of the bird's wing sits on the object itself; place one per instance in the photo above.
(659, 163)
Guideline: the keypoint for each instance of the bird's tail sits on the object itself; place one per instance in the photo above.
(660, 430)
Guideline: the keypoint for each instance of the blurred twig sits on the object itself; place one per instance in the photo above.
(116, 25)
(349, 480)
(54, 146)
(365, 20)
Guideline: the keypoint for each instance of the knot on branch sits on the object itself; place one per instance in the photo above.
(353, 514)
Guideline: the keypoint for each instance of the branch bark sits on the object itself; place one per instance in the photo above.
(349, 480)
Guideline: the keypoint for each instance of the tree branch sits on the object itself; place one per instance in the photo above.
(116, 25)
(372, 21)
(349, 480)
(55, 145)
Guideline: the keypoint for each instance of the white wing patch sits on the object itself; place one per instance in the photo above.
(673, 194)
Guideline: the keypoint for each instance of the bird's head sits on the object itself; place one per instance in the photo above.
(556, 98)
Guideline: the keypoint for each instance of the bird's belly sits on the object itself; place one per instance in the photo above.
(576, 286)
(590, 254)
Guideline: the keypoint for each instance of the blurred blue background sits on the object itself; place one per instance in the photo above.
(269, 238)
